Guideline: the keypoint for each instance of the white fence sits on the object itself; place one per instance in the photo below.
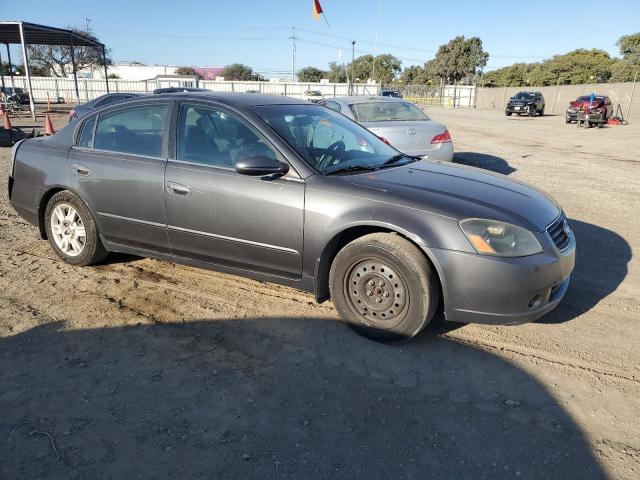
(88, 89)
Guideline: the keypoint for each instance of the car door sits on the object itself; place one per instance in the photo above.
(117, 166)
(219, 216)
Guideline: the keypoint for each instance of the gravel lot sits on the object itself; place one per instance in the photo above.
(139, 368)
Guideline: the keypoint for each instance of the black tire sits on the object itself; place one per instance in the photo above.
(541, 113)
(532, 112)
(587, 124)
(508, 114)
(567, 119)
(93, 251)
(404, 283)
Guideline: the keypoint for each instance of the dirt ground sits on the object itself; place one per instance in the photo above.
(139, 368)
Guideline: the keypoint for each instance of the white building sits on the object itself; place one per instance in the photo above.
(129, 71)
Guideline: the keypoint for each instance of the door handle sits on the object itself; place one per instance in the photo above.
(178, 189)
(81, 169)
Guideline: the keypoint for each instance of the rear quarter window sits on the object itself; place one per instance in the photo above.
(86, 133)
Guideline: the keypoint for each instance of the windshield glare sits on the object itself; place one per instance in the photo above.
(326, 140)
(386, 111)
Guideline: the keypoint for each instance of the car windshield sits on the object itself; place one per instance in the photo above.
(328, 141)
(386, 111)
(524, 96)
(587, 98)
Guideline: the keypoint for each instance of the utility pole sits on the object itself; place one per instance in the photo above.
(353, 58)
(293, 54)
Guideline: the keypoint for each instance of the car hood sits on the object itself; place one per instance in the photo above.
(521, 100)
(585, 103)
(461, 192)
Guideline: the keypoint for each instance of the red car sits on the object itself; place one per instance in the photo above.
(600, 103)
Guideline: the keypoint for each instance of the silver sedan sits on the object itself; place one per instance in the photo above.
(399, 123)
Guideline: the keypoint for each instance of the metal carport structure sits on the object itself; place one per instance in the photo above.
(25, 33)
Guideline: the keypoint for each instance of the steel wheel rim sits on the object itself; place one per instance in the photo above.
(68, 230)
(376, 293)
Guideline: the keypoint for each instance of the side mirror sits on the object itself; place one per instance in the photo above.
(260, 165)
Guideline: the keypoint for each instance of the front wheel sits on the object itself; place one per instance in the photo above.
(384, 287)
(508, 114)
(71, 230)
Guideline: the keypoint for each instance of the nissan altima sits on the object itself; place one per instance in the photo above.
(290, 192)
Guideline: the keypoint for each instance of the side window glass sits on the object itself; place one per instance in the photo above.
(86, 135)
(214, 137)
(333, 106)
(136, 130)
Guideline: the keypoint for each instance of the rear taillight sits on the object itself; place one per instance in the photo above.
(444, 137)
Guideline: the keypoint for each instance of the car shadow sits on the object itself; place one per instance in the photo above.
(483, 160)
(273, 397)
(602, 259)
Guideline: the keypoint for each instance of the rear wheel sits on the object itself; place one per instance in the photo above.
(384, 287)
(71, 230)
(542, 112)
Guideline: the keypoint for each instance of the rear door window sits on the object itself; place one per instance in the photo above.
(136, 130)
(86, 136)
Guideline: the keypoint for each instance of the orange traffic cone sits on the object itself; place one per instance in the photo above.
(7, 122)
(48, 126)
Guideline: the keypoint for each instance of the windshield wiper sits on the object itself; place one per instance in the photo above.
(351, 168)
(397, 158)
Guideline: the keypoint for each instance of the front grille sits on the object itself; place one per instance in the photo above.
(559, 232)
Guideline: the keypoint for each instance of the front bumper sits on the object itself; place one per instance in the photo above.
(503, 291)
(519, 108)
(442, 152)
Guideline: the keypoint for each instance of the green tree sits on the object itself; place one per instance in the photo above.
(336, 73)
(629, 46)
(576, 67)
(459, 59)
(186, 71)
(386, 69)
(514, 75)
(625, 70)
(311, 74)
(56, 59)
(414, 75)
(238, 71)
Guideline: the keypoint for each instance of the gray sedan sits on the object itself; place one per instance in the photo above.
(290, 192)
(399, 123)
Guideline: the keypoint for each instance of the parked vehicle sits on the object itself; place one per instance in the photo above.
(82, 110)
(390, 93)
(280, 190)
(17, 95)
(159, 91)
(399, 123)
(314, 96)
(528, 103)
(600, 104)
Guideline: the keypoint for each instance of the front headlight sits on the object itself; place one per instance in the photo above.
(491, 237)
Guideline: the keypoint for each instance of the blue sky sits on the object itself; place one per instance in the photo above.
(255, 32)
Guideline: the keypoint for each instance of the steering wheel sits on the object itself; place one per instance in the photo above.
(331, 153)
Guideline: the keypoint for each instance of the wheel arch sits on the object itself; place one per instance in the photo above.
(352, 232)
(44, 200)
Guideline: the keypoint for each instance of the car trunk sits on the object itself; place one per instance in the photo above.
(407, 135)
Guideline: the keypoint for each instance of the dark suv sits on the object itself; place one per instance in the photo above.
(530, 103)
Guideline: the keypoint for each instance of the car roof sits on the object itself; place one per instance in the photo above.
(367, 99)
(238, 99)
